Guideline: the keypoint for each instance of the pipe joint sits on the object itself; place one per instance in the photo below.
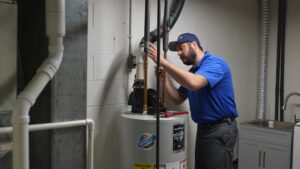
(17, 120)
(26, 97)
(90, 124)
(50, 66)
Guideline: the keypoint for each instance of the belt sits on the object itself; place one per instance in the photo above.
(214, 123)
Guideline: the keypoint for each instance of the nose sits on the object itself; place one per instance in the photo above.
(179, 52)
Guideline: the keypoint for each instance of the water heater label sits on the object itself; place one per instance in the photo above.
(146, 141)
(178, 138)
(142, 166)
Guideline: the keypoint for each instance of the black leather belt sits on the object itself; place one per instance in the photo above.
(214, 123)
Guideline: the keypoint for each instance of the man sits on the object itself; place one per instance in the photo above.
(208, 87)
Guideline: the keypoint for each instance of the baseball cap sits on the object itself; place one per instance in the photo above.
(183, 38)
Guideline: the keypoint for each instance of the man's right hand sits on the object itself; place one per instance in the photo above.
(160, 72)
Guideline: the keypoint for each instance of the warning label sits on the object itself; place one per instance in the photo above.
(142, 166)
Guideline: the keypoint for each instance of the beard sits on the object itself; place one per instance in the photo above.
(190, 59)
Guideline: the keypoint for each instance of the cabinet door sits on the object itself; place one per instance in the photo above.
(276, 157)
(250, 154)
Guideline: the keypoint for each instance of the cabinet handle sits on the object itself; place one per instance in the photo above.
(259, 158)
(264, 157)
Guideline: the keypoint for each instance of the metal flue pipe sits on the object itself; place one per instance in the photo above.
(55, 28)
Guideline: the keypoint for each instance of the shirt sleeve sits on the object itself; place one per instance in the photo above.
(213, 70)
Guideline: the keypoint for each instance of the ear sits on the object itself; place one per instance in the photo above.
(194, 44)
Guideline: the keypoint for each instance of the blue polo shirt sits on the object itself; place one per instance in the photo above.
(216, 100)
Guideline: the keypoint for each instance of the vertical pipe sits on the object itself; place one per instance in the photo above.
(277, 85)
(279, 88)
(283, 18)
(130, 29)
(157, 85)
(90, 151)
(165, 48)
(20, 122)
(146, 50)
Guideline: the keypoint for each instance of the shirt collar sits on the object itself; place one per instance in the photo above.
(206, 55)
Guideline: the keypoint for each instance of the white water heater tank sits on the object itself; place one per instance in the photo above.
(138, 142)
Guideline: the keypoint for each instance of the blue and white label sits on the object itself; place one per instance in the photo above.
(146, 141)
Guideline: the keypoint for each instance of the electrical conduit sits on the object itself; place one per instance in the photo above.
(55, 28)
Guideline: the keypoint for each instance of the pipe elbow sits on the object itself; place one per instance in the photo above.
(25, 97)
(91, 124)
(21, 109)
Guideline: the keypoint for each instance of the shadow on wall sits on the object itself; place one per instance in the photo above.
(108, 120)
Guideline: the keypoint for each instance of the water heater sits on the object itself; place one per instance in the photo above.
(138, 139)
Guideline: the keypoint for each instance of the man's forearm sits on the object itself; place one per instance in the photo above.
(173, 93)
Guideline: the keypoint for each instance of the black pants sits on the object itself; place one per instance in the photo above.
(214, 146)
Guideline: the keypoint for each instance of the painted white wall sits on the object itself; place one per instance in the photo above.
(8, 57)
(226, 28)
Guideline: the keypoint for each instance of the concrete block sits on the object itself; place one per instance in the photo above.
(110, 67)
(108, 16)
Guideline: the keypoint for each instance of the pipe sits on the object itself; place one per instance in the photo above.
(90, 149)
(175, 10)
(165, 48)
(283, 17)
(157, 83)
(55, 28)
(264, 42)
(287, 98)
(89, 123)
(146, 51)
(279, 87)
(165, 27)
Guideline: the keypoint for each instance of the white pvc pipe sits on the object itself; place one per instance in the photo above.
(68, 124)
(55, 28)
(90, 148)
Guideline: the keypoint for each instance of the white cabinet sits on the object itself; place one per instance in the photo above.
(262, 148)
